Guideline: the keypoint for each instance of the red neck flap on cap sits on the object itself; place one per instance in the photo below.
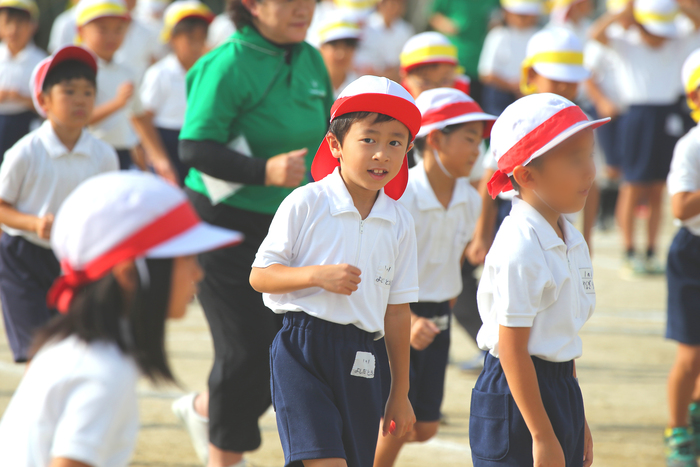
(530, 144)
(457, 109)
(394, 106)
(171, 224)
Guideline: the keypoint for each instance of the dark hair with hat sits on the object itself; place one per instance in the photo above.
(66, 71)
(240, 14)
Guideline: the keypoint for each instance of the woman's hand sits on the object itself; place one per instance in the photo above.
(286, 170)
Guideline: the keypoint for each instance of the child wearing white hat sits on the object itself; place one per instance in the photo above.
(127, 244)
(536, 291)
(339, 262)
(504, 50)
(650, 57)
(338, 39)
(573, 15)
(683, 277)
(445, 208)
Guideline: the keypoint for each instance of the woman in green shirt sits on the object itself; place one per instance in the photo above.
(258, 106)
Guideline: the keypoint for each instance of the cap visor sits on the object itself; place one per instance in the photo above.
(568, 133)
(340, 35)
(199, 239)
(531, 10)
(563, 73)
(470, 117)
(667, 30)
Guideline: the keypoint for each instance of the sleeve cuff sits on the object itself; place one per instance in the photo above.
(403, 296)
(516, 321)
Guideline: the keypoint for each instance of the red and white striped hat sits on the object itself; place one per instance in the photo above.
(443, 107)
(530, 127)
(372, 94)
(121, 216)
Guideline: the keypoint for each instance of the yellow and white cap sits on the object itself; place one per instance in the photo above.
(555, 53)
(428, 48)
(183, 9)
(25, 5)
(616, 6)
(691, 80)
(363, 7)
(657, 16)
(337, 27)
(90, 10)
(559, 9)
(523, 7)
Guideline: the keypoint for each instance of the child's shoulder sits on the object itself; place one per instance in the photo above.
(688, 146)
(515, 239)
(25, 147)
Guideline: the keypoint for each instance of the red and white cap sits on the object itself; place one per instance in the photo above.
(443, 107)
(70, 52)
(530, 127)
(121, 216)
(372, 94)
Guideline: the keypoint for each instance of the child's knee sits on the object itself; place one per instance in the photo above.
(689, 358)
(423, 431)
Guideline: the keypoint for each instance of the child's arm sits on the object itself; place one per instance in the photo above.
(685, 205)
(280, 279)
(598, 30)
(152, 143)
(63, 462)
(14, 96)
(522, 381)
(484, 231)
(443, 24)
(100, 112)
(12, 218)
(397, 326)
(603, 105)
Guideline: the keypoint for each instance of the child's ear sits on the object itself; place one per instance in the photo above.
(334, 144)
(44, 101)
(410, 146)
(531, 76)
(523, 177)
(126, 276)
(434, 139)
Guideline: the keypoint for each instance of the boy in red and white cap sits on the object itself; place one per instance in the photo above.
(38, 173)
(445, 208)
(536, 291)
(339, 262)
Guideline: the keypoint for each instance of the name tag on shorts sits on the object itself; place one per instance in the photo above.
(587, 279)
(364, 365)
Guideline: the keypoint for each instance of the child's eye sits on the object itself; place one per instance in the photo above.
(367, 140)
(70, 92)
(396, 144)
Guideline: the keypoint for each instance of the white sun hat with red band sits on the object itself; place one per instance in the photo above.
(530, 127)
(122, 216)
(70, 52)
(378, 95)
(443, 107)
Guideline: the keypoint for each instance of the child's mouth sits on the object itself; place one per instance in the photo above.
(378, 174)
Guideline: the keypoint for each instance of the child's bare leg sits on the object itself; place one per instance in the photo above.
(696, 391)
(630, 195)
(325, 463)
(590, 213)
(388, 447)
(681, 383)
(655, 194)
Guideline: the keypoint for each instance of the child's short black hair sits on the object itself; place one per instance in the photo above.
(16, 15)
(188, 25)
(66, 71)
(351, 43)
(341, 125)
(420, 143)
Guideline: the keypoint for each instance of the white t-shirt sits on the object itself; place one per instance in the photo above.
(318, 224)
(349, 78)
(164, 92)
(650, 76)
(76, 401)
(16, 74)
(504, 51)
(116, 129)
(684, 176)
(140, 49)
(534, 279)
(441, 234)
(38, 173)
(63, 31)
(380, 46)
(220, 30)
(605, 67)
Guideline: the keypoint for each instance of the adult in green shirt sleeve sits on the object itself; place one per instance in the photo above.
(258, 107)
(469, 24)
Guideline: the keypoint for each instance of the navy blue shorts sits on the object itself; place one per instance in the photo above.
(498, 435)
(171, 140)
(494, 101)
(428, 366)
(325, 390)
(125, 161)
(27, 271)
(609, 140)
(646, 145)
(13, 128)
(683, 276)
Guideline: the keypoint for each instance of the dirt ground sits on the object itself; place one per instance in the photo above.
(623, 375)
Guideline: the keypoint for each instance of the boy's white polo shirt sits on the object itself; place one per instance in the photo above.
(380, 46)
(441, 234)
(38, 173)
(16, 73)
(684, 176)
(534, 279)
(504, 50)
(116, 129)
(164, 93)
(318, 224)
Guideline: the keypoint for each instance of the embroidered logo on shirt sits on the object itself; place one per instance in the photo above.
(315, 91)
(587, 280)
(363, 366)
(385, 274)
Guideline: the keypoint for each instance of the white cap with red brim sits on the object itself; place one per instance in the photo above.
(443, 107)
(122, 216)
(70, 52)
(530, 127)
(378, 95)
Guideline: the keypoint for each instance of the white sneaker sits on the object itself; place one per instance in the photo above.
(197, 426)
